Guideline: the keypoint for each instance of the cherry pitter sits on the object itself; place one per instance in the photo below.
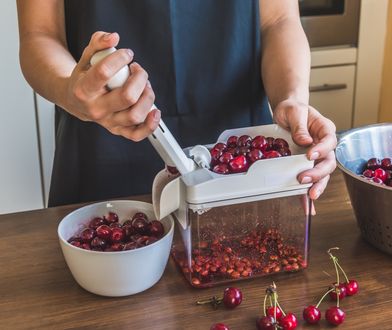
(237, 225)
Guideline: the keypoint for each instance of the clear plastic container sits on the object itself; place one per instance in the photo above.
(268, 234)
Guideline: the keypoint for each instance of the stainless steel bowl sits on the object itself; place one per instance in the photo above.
(371, 202)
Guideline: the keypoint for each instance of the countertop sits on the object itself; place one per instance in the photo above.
(37, 290)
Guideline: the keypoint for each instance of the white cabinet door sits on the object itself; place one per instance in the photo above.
(332, 93)
(20, 177)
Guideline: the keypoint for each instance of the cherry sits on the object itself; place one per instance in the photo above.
(270, 143)
(96, 222)
(226, 157)
(140, 215)
(87, 235)
(255, 155)
(386, 164)
(141, 241)
(115, 247)
(115, 225)
(156, 229)
(221, 169)
(373, 163)
(259, 142)
(368, 173)
(150, 240)
(279, 143)
(104, 232)
(232, 141)
(111, 217)
(352, 287)
(342, 291)
(311, 314)
(220, 146)
(244, 141)
(381, 174)
(219, 326)
(98, 243)
(85, 246)
(239, 164)
(130, 246)
(127, 223)
(271, 312)
(232, 297)
(334, 315)
(377, 180)
(284, 151)
(288, 322)
(129, 230)
(242, 151)
(215, 154)
(75, 243)
(272, 154)
(266, 323)
(140, 225)
(117, 235)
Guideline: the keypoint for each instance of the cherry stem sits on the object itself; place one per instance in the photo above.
(265, 303)
(275, 301)
(322, 298)
(214, 300)
(284, 314)
(344, 273)
(335, 261)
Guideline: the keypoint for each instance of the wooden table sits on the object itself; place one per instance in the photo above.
(37, 290)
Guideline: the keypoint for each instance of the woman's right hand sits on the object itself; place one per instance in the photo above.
(123, 111)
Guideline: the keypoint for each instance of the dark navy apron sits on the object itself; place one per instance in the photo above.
(203, 59)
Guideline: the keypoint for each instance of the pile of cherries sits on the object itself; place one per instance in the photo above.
(262, 251)
(238, 153)
(379, 171)
(109, 235)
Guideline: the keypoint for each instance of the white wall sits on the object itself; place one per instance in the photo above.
(20, 178)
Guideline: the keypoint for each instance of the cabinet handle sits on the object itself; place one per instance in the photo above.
(327, 87)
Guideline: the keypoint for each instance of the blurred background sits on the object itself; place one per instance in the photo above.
(351, 83)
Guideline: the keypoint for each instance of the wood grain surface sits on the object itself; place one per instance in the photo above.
(37, 290)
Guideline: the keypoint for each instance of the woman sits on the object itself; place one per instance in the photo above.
(210, 64)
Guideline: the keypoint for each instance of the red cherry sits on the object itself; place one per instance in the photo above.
(76, 243)
(386, 164)
(381, 174)
(266, 323)
(242, 151)
(373, 163)
(140, 225)
(352, 287)
(115, 247)
(270, 143)
(244, 141)
(150, 240)
(156, 229)
(311, 314)
(272, 154)
(85, 246)
(219, 326)
(117, 235)
(288, 322)
(96, 222)
(368, 173)
(172, 170)
(334, 315)
(259, 142)
(226, 157)
(271, 312)
(221, 169)
(98, 243)
(280, 144)
(129, 230)
(142, 240)
(377, 180)
(239, 164)
(255, 155)
(342, 291)
(87, 235)
(130, 246)
(232, 141)
(215, 154)
(111, 217)
(220, 146)
(104, 232)
(284, 151)
(232, 297)
(140, 215)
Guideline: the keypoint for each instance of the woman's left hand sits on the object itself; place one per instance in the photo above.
(309, 127)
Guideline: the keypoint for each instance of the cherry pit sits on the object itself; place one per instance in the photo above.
(107, 234)
(239, 153)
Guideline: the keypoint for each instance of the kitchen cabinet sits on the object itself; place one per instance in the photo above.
(20, 171)
(332, 93)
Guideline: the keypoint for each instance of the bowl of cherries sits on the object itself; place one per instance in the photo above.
(364, 155)
(116, 248)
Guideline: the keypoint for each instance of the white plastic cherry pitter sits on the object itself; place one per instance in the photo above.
(198, 189)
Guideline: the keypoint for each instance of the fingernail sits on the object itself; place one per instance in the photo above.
(314, 155)
(306, 179)
(157, 115)
(130, 52)
(107, 36)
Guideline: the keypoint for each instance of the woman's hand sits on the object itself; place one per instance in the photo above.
(123, 111)
(309, 128)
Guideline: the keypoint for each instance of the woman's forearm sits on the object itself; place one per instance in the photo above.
(285, 61)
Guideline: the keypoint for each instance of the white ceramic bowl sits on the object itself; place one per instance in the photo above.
(115, 273)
